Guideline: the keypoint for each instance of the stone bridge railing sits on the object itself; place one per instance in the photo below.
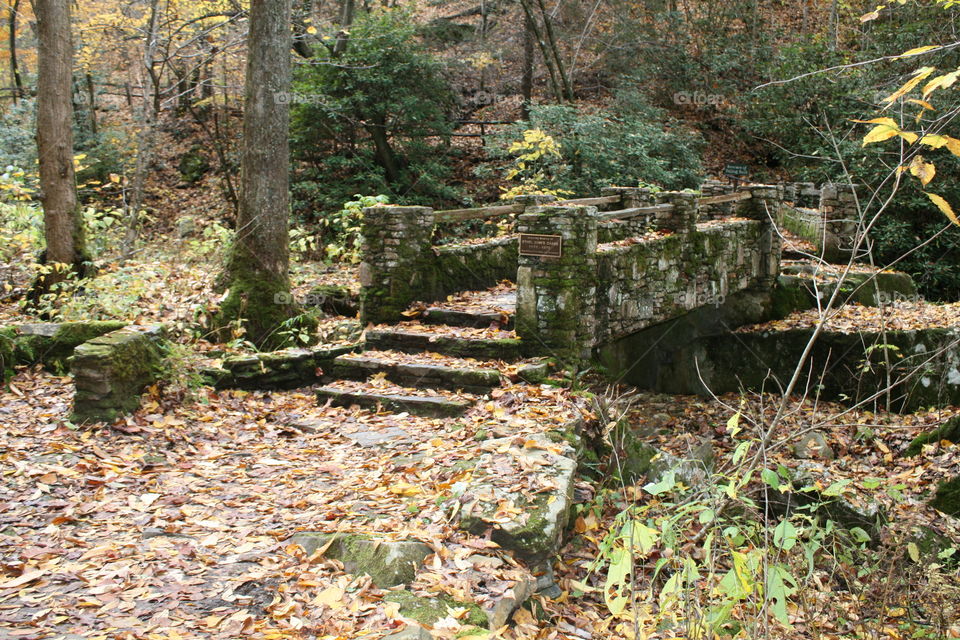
(655, 257)
(826, 216)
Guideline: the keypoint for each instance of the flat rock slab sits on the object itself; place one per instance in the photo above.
(372, 438)
(428, 406)
(410, 342)
(359, 367)
(387, 562)
(533, 528)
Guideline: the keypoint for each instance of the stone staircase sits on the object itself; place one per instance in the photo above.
(439, 366)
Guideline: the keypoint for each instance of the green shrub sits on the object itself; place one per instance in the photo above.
(372, 120)
(631, 143)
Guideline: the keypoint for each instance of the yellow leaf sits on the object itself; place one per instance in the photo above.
(331, 597)
(944, 206)
(940, 82)
(924, 171)
(922, 103)
(918, 76)
(404, 489)
(917, 51)
(312, 30)
(881, 132)
(933, 141)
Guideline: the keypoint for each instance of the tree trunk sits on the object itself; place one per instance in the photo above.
(526, 83)
(257, 272)
(92, 104)
(544, 52)
(346, 19)
(63, 228)
(384, 154)
(148, 119)
(552, 42)
(14, 68)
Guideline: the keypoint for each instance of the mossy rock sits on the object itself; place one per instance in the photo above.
(947, 498)
(429, 610)
(949, 430)
(193, 165)
(51, 344)
(111, 371)
(7, 347)
(335, 299)
(388, 562)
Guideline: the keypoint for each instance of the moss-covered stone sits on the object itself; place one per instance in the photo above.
(429, 610)
(7, 346)
(387, 562)
(536, 532)
(112, 370)
(947, 498)
(51, 344)
(193, 165)
(949, 430)
(334, 299)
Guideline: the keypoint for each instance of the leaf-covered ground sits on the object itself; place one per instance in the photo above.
(174, 524)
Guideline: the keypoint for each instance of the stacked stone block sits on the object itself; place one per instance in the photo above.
(721, 210)
(111, 371)
(556, 297)
(396, 248)
(841, 219)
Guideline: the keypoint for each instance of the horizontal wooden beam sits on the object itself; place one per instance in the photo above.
(459, 215)
(624, 214)
(588, 202)
(729, 197)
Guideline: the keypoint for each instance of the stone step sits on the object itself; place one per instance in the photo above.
(396, 400)
(475, 319)
(428, 370)
(411, 341)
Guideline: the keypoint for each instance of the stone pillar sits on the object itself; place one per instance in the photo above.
(534, 199)
(396, 246)
(630, 197)
(682, 219)
(766, 205)
(716, 211)
(556, 297)
(838, 206)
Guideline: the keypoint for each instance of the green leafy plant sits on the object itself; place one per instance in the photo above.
(345, 225)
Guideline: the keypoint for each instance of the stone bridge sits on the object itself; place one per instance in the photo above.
(589, 272)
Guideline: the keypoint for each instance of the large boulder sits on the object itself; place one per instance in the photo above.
(111, 371)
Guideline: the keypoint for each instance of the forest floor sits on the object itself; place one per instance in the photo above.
(174, 522)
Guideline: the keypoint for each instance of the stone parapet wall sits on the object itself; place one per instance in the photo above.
(401, 266)
(588, 297)
(841, 217)
(647, 283)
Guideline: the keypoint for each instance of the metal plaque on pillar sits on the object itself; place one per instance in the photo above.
(539, 245)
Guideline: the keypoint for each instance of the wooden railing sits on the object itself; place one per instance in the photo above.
(624, 214)
(459, 215)
(479, 213)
